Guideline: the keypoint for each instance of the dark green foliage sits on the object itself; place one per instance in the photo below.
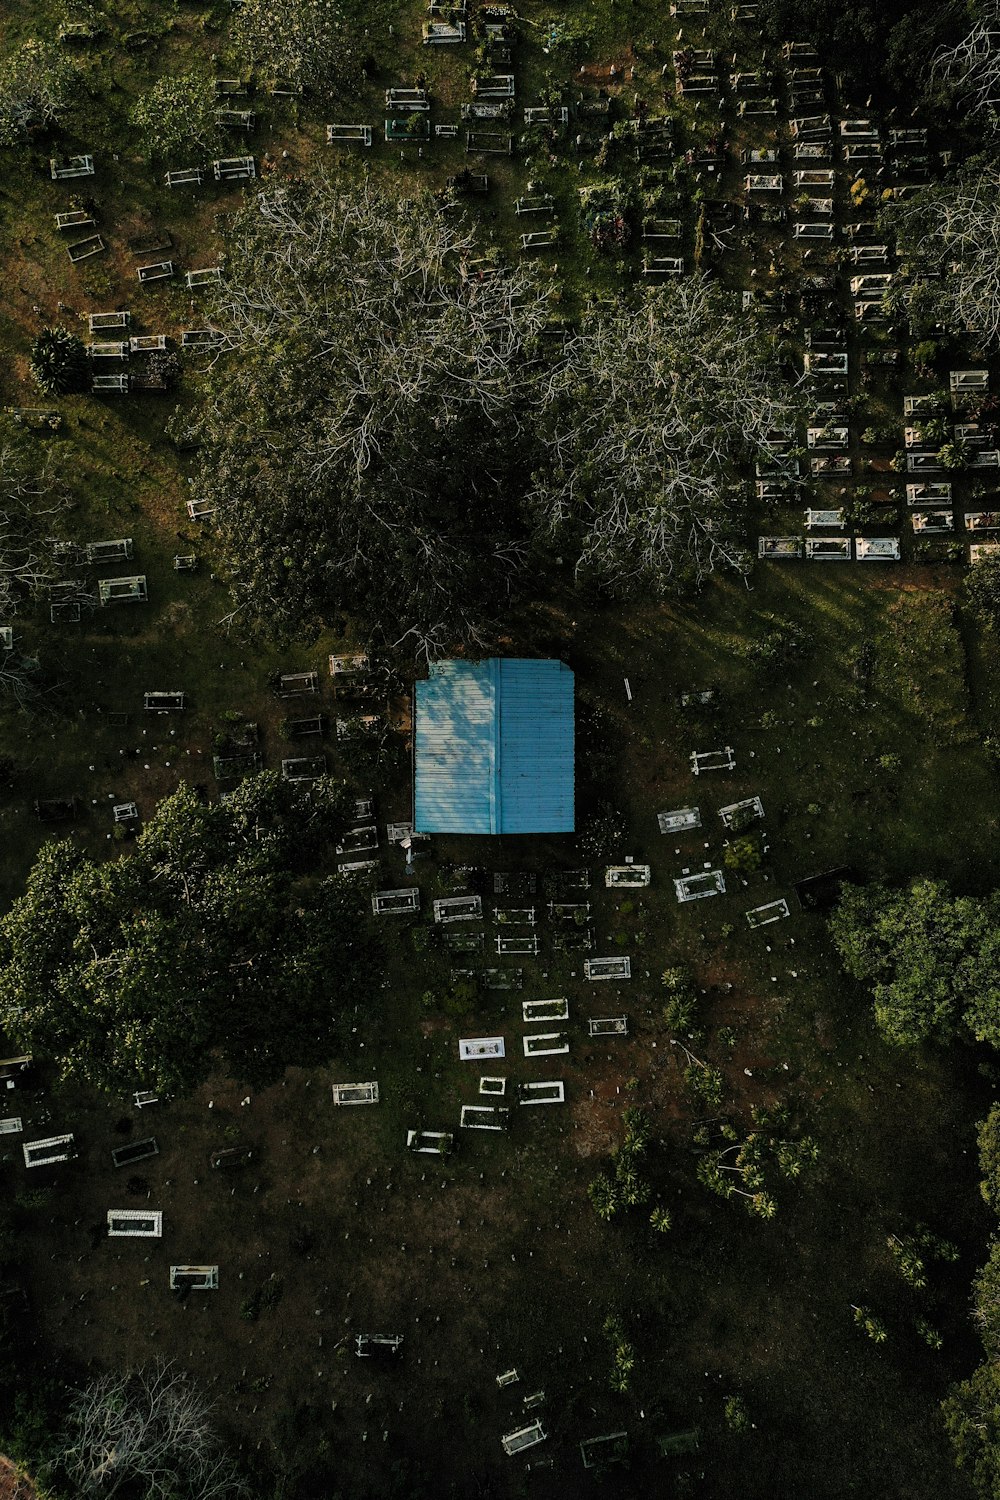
(627, 1187)
(989, 1158)
(622, 1353)
(930, 959)
(744, 855)
(982, 589)
(986, 1300)
(59, 362)
(742, 1165)
(680, 1011)
(972, 1420)
(214, 937)
(873, 43)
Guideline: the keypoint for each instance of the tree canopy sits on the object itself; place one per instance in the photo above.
(35, 90)
(948, 237)
(176, 120)
(982, 589)
(306, 43)
(931, 959)
(213, 942)
(364, 430)
(31, 497)
(59, 362)
(888, 43)
(145, 1431)
(644, 425)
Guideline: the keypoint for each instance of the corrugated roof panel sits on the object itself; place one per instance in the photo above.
(493, 748)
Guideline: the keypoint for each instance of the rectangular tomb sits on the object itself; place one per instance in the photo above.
(626, 875)
(545, 1044)
(194, 1278)
(545, 1010)
(396, 903)
(607, 1026)
(552, 1091)
(355, 1093)
(430, 1142)
(698, 887)
(475, 1048)
(44, 1153)
(483, 1117)
(134, 1223)
(608, 968)
(679, 820)
(125, 1156)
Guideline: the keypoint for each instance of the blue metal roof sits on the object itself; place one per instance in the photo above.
(493, 748)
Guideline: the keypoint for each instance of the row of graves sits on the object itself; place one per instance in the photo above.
(526, 915)
(362, 712)
(121, 358)
(948, 466)
(739, 819)
(42, 1153)
(485, 122)
(554, 917)
(812, 175)
(77, 590)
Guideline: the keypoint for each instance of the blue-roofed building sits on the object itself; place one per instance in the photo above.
(493, 747)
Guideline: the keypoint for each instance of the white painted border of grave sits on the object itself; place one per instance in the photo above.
(607, 1026)
(495, 1088)
(686, 886)
(607, 968)
(532, 1047)
(626, 876)
(11, 1126)
(522, 1438)
(366, 1343)
(713, 760)
(483, 1117)
(680, 819)
(134, 1216)
(475, 1048)
(772, 911)
(726, 813)
(444, 1138)
(542, 1010)
(458, 909)
(517, 946)
(555, 1088)
(53, 1141)
(355, 1093)
(396, 903)
(197, 1278)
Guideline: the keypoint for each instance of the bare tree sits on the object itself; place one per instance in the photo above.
(359, 448)
(31, 500)
(646, 423)
(36, 88)
(150, 1428)
(971, 68)
(949, 240)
